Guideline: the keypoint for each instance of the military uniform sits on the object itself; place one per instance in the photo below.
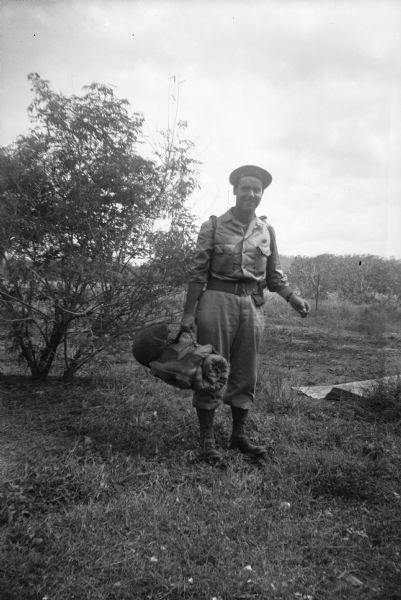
(233, 262)
(236, 258)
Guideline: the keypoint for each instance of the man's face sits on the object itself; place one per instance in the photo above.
(249, 192)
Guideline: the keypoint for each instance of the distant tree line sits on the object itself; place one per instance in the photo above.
(357, 278)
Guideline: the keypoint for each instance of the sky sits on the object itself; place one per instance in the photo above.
(308, 89)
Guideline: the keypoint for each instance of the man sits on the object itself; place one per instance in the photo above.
(236, 257)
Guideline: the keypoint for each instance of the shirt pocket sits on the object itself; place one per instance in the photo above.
(262, 253)
(223, 259)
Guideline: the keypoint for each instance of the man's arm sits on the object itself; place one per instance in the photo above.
(193, 293)
(277, 281)
(199, 274)
(299, 304)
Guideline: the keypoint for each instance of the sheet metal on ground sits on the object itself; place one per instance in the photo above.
(354, 389)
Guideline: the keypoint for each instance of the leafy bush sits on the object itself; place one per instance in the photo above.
(84, 260)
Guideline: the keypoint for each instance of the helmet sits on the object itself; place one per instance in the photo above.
(149, 342)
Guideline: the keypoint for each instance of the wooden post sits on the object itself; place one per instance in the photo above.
(317, 292)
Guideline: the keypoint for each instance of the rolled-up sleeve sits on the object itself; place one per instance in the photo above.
(276, 279)
(203, 254)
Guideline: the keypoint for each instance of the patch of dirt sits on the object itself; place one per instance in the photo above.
(315, 357)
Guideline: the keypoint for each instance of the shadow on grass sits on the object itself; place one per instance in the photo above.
(135, 417)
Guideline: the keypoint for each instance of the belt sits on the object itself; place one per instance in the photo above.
(239, 288)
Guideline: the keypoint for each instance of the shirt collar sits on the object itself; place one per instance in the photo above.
(256, 221)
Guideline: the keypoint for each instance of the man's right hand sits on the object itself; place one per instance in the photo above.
(188, 323)
(193, 294)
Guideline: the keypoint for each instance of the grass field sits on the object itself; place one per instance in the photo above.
(103, 498)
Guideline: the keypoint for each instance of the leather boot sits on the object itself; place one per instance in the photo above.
(208, 451)
(239, 441)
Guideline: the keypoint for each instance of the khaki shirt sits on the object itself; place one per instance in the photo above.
(234, 252)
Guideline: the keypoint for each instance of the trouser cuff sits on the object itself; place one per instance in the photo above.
(205, 401)
(244, 402)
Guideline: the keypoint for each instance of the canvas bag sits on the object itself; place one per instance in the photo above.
(181, 362)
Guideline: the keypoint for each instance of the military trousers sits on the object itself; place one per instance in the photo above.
(234, 326)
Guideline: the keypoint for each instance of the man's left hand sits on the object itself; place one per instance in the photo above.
(300, 305)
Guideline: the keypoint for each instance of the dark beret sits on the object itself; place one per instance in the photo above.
(251, 171)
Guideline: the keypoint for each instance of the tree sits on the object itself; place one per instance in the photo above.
(357, 278)
(313, 275)
(367, 278)
(84, 261)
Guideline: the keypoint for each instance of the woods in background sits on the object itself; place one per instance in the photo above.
(357, 278)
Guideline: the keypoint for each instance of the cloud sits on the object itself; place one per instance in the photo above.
(310, 89)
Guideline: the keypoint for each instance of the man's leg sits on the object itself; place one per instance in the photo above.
(244, 361)
(217, 322)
